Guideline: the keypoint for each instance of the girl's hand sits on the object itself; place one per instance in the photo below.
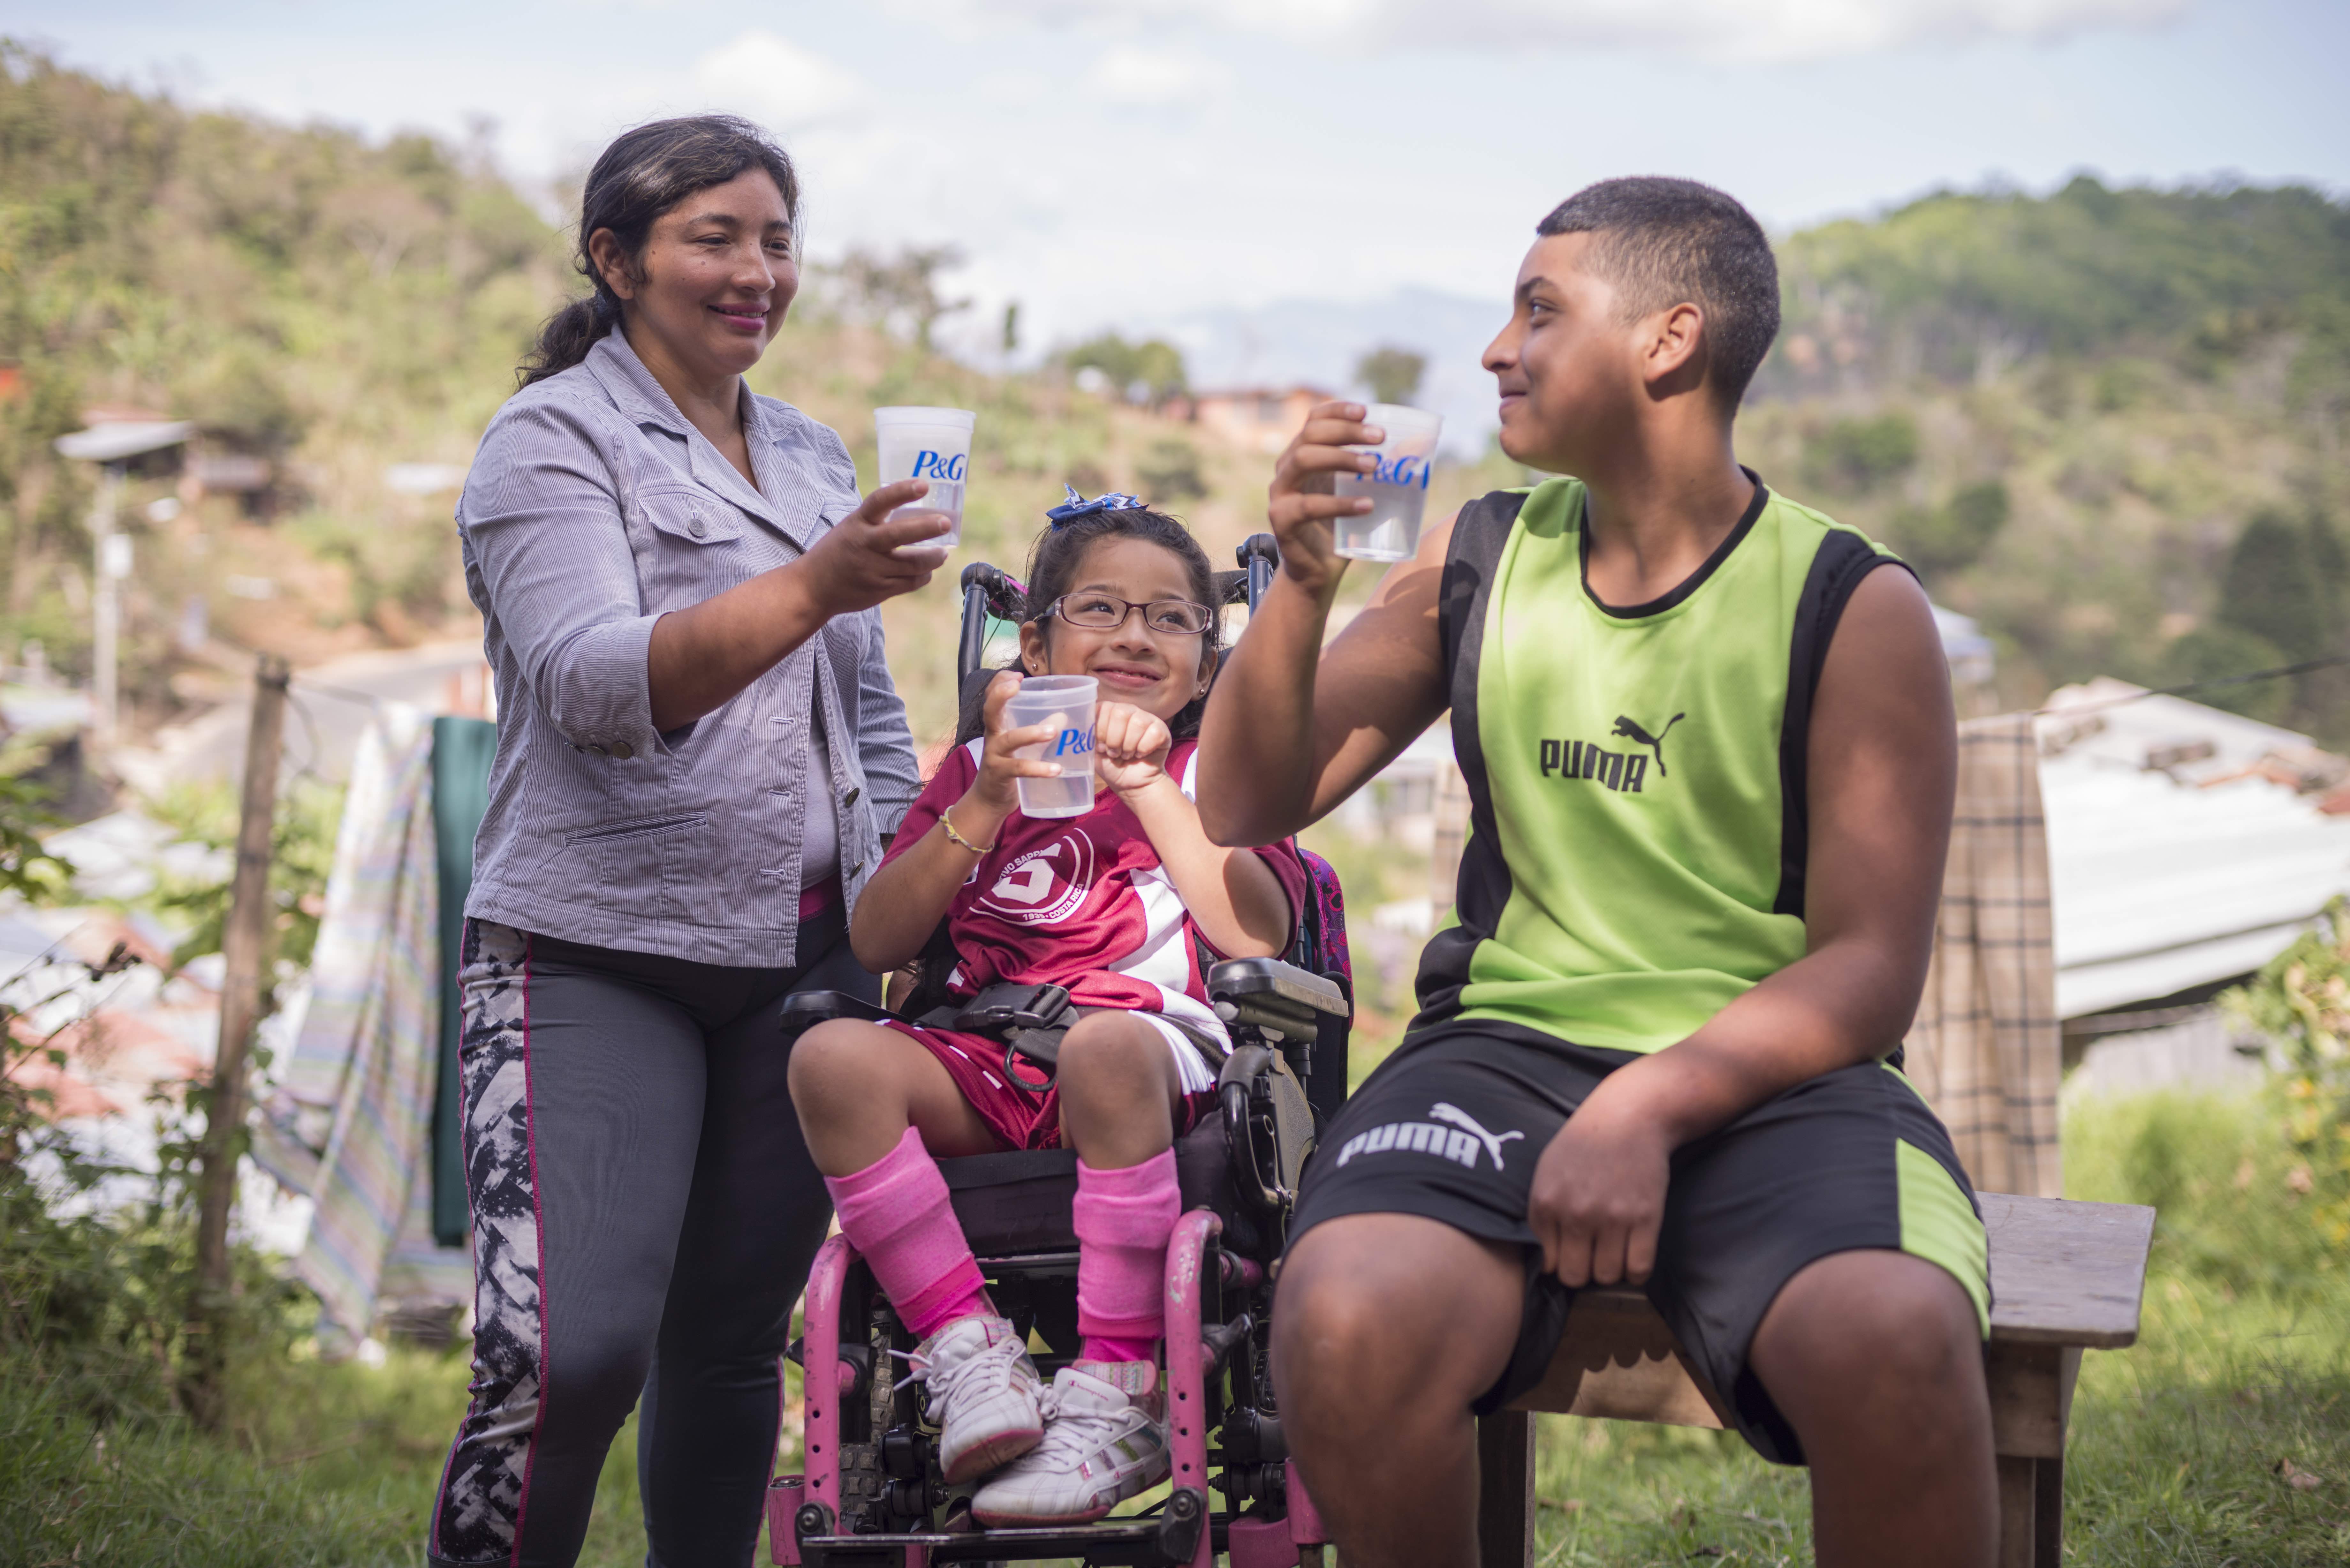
(998, 767)
(1130, 748)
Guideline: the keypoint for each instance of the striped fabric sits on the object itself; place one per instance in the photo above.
(1986, 1050)
(348, 1120)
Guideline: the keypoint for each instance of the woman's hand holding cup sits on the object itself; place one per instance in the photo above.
(868, 556)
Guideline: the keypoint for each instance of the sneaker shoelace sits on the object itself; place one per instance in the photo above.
(1072, 1435)
(985, 1371)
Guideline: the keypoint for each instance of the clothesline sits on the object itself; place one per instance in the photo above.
(2303, 667)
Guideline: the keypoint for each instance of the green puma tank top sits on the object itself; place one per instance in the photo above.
(1636, 774)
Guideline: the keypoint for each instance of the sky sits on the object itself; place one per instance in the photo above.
(1108, 162)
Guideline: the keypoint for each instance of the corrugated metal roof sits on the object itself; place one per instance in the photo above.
(2171, 863)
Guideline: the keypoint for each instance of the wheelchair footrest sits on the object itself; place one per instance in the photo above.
(1113, 1541)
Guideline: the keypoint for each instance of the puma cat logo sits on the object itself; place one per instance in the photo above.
(1632, 732)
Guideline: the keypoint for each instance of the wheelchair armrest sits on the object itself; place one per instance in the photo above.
(804, 1010)
(1273, 994)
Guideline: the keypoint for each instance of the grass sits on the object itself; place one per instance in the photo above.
(2177, 1454)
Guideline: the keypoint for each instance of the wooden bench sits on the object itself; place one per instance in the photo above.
(2065, 1277)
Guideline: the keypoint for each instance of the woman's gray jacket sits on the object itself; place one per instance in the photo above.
(593, 508)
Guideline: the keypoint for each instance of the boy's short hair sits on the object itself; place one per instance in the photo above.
(1662, 241)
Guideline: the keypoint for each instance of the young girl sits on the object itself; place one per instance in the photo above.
(1107, 905)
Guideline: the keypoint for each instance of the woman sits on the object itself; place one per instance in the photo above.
(698, 754)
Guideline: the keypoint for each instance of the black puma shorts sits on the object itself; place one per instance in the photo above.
(1451, 1125)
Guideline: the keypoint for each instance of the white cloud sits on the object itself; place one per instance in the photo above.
(1161, 78)
(1744, 30)
(776, 82)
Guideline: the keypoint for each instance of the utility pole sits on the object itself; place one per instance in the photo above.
(111, 447)
(111, 564)
(245, 945)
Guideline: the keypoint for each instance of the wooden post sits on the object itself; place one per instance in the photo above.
(244, 944)
(1505, 1490)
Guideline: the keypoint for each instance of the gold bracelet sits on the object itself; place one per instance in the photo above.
(948, 823)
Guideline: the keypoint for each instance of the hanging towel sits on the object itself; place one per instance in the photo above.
(349, 1121)
(463, 750)
(1986, 1050)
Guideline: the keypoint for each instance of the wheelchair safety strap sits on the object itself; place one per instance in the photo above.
(1031, 1020)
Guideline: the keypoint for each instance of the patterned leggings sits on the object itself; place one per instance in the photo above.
(644, 1214)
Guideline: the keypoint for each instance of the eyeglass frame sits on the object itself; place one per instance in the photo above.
(1207, 613)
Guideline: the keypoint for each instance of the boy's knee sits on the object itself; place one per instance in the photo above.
(1882, 1320)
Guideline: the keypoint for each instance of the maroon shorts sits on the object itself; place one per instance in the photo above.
(1022, 1115)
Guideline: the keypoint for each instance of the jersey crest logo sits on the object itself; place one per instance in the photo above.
(1632, 732)
(1046, 886)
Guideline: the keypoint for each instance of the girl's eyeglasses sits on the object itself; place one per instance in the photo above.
(1107, 612)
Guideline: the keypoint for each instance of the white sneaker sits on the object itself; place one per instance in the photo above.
(1105, 1441)
(982, 1392)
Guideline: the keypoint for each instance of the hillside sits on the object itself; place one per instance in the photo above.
(2067, 409)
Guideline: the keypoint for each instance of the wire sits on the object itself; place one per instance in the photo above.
(346, 693)
(2303, 667)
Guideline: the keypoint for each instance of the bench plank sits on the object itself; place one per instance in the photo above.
(2063, 1272)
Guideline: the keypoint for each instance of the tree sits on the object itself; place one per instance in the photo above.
(2278, 585)
(1391, 373)
(1150, 371)
(1953, 537)
(899, 293)
(1861, 454)
(1169, 472)
(2218, 652)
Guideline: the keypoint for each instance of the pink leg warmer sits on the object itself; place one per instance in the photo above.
(1123, 1219)
(895, 1212)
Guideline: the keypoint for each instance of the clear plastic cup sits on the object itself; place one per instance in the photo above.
(1066, 700)
(932, 444)
(1389, 530)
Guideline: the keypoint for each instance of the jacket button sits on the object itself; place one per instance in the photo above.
(693, 526)
(850, 798)
(622, 750)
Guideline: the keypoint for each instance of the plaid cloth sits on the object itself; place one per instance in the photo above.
(1986, 1050)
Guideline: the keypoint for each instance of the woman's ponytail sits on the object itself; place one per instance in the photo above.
(644, 173)
(566, 336)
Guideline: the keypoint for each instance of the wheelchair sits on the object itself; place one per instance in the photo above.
(872, 1492)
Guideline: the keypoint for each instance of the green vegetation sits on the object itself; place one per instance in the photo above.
(2184, 1449)
(1150, 371)
(1392, 374)
(2301, 1002)
(2141, 373)
(2065, 409)
(2178, 1455)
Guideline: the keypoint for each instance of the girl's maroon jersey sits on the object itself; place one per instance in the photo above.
(1079, 901)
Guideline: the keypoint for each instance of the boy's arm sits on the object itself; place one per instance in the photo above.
(1883, 771)
(1292, 728)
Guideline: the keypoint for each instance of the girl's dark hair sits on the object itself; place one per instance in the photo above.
(1052, 566)
(644, 173)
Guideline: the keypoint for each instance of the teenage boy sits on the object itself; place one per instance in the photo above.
(1709, 752)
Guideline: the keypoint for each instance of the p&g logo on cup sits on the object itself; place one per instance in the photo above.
(929, 465)
(1073, 743)
(1404, 470)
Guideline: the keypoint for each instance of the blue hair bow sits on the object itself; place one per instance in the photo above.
(1077, 505)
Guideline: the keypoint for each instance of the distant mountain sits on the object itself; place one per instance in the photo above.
(1318, 342)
